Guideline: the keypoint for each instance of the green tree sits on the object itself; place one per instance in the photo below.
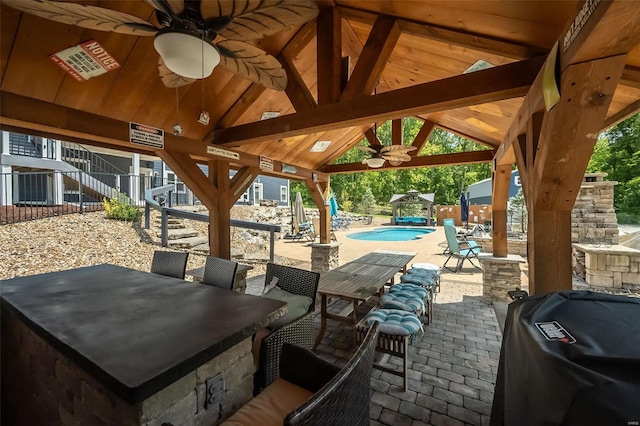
(368, 202)
(518, 210)
(617, 153)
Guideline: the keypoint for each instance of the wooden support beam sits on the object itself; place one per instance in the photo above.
(489, 85)
(372, 137)
(375, 55)
(423, 136)
(189, 173)
(297, 91)
(417, 162)
(628, 111)
(241, 181)
(329, 38)
(631, 76)
(500, 196)
(481, 42)
(466, 136)
(220, 218)
(317, 190)
(571, 129)
(22, 114)
(396, 131)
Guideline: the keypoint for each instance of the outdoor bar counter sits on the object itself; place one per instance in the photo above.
(110, 345)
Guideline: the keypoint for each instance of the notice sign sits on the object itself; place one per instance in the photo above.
(222, 153)
(85, 60)
(146, 135)
(266, 163)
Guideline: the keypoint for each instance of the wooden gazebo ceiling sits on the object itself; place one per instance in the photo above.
(429, 41)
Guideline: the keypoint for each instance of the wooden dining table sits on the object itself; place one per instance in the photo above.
(357, 281)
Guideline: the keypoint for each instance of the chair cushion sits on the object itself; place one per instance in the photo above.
(426, 266)
(419, 291)
(297, 306)
(394, 321)
(271, 406)
(404, 301)
(257, 343)
(418, 279)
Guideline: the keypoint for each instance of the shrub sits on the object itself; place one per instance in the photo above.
(118, 208)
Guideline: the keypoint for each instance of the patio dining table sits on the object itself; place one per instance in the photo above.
(134, 334)
(357, 281)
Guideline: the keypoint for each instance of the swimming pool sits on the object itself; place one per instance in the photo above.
(391, 234)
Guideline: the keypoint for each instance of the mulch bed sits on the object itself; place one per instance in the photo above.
(15, 214)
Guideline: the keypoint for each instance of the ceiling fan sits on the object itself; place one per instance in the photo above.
(188, 42)
(395, 154)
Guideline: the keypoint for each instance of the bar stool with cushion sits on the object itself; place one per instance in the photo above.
(169, 263)
(396, 329)
(220, 272)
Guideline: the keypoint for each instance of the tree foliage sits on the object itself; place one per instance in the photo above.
(617, 153)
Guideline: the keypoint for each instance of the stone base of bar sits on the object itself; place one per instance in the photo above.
(324, 257)
(615, 267)
(42, 386)
(500, 275)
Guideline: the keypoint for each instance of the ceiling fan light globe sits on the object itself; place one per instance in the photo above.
(184, 54)
(375, 162)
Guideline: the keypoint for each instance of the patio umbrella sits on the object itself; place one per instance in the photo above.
(298, 210)
(464, 208)
(333, 206)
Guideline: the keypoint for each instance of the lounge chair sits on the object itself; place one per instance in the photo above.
(459, 248)
(300, 231)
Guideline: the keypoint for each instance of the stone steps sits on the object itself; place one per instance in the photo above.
(189, 242)
(176, 234)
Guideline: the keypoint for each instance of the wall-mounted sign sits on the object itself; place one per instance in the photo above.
(266, 163)
(214, 150)
(146, 135)
(85, 60)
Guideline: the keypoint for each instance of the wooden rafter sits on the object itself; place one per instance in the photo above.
(466, 136)
(189, 173)
(372, 137)
(493, 84)
(297, 91)
(620, 116)
(479, 42)
(241, 181)
(631, 76)
(416, 162)
(25, 115)
(375, 55)
(423, 136)
(329, 64)
(396, 131)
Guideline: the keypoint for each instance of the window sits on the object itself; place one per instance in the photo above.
(172, 178)
(284, 194)
(245, 197)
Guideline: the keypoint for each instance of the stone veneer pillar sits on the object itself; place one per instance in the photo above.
(499, 275)
(593, 217)
(49, 388)
(324, 257)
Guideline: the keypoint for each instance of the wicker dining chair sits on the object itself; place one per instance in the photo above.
(220, 272)
(169, 263)
(298, 332)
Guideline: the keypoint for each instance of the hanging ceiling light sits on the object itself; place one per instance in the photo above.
(374, 162)
(186, 54)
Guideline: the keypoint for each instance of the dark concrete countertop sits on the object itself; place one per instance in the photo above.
(135, 332)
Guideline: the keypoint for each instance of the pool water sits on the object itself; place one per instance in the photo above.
(391, 234)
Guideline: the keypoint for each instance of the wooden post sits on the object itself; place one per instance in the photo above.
(317, 190)
(501, 181)
(219, 171)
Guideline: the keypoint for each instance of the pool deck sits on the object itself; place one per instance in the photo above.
(452, 367)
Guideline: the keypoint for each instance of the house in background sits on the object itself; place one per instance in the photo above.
(480, 192)
(47, 172)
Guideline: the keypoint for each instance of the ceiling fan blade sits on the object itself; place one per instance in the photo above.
(170, 7)
(171, 79)
(395, 162)
(397, 157)
(92, 17)
(253, 63)
(254, 19)
(365, 148)
(396, 148)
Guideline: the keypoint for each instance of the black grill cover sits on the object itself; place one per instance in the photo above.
(569, 358)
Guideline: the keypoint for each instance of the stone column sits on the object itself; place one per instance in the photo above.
(324, 257)
(499, 275)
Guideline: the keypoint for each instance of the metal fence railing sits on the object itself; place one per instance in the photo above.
(33, 195)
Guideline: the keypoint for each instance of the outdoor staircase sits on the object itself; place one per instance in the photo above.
(181, 237)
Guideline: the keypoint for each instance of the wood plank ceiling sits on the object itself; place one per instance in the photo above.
(436, 40)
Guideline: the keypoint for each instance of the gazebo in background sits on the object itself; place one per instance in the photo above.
(398, 201)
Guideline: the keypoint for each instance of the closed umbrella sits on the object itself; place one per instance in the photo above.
(333, 206)
(464, 208)
(298, 210)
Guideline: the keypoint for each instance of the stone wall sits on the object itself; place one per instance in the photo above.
(324, 257)
(611, 268)
(518, 247)
(500, 275)
(40, 386)
(593, 218)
